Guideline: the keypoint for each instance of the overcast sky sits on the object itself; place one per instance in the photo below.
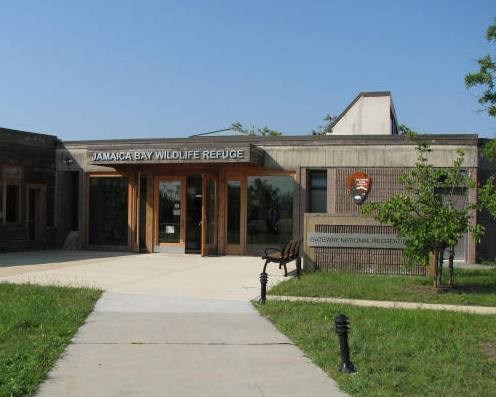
(123, 69)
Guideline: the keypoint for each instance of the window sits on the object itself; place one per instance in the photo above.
(12, 204)
(10, 194)
(317, 191)
(108, 211)
(270, 211)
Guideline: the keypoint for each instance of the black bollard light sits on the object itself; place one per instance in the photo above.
(298, 267)
(264, 277)
(342, 328)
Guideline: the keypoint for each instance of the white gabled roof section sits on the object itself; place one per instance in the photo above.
(370, 113)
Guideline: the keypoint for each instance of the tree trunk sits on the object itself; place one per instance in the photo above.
(436, 269)
(450, 266)
(441, 261)
(439, 267)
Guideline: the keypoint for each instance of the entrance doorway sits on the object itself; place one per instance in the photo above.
(186, 214)
(194, 215)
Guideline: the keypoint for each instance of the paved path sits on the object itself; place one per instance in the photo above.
(170, 325)
(389, 304)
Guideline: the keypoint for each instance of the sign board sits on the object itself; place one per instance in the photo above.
(358, 185)
(175, 154)
(355, 240)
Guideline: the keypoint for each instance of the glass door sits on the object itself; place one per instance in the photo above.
(194, 214)
(209, 216)
(235, 208)
(171, 214)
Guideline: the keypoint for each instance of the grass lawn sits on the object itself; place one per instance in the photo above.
(36, 324)
(472, 287)
(396, 352)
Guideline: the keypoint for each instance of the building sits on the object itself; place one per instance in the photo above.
(240, 194)
(27, 190)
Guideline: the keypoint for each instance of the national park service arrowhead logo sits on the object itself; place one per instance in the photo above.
(358, 185)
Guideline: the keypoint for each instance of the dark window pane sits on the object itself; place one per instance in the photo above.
(317, 191)
(318, 200)
(169, 218)
(108, 211)
(270, 211)
(318, 179)
(12, 204)
(233, 211)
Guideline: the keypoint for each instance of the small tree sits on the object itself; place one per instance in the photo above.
(264, 131)
(425, 214)
(403, 129)
(325, 129)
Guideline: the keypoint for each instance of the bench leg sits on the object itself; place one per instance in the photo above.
(285, 270)
(265, 266)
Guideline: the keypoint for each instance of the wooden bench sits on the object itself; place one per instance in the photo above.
(288, 252)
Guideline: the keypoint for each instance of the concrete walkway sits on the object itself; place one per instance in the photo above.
(389, 304)
(170, 325)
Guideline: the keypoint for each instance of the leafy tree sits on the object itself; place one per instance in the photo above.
(264, 131)
(325, 129)
(403, 129)
(485, 79)
(486, 76)
(425, 214)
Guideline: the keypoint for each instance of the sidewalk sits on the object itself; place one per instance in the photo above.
(135, 345)
(389, 304)
(170, 325)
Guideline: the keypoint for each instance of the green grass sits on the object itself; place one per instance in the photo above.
(36, 324)
(472, 287)
(396, 352)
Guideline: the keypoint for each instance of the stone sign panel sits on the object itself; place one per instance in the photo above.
(355, 240)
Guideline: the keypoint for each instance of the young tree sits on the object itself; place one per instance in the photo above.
(264, 131)
(425, 214)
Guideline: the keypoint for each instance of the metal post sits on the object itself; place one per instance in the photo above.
(342, 328)
(298, 267)
(264, 277)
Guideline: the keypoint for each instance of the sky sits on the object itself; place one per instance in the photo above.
(143, 69)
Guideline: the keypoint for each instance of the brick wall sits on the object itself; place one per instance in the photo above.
(35, 155)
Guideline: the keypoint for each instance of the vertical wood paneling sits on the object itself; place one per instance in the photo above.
(150, 213)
